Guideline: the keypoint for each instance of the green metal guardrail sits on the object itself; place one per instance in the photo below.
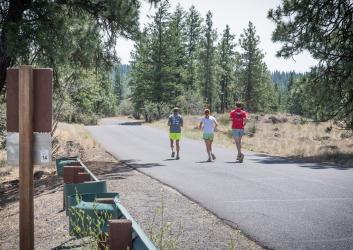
(86, 202)
(65, 161)
(83, 196)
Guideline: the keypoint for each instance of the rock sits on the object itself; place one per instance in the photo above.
(328, 129)
(347, 134)
(276, 120)
(277, 135)
(329, 147)
(38, 174)
(321, 138)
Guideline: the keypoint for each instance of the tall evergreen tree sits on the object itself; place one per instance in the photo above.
(254, 76)
(141, 71)
(155, 75)
(193, 30)
(35, 30)
(176, 41)
(117, 84)
(324, 28)
(207, 62)
(226, 54)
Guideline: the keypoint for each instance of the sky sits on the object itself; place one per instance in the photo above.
(237, 14)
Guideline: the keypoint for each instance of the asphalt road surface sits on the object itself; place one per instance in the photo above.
(280, 203)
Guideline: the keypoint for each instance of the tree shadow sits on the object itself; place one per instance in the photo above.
(135, 164)
(108, 170)
(135, 123)
(314, 162)
(72, 243)
(10, 190)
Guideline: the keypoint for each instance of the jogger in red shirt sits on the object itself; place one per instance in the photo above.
(239, 118)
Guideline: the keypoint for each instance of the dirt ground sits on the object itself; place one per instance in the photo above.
(185, 224)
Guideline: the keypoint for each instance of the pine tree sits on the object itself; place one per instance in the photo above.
(157, 67)
(31, 31)
(256, 83)
(324, 28)
(176, 39)
(207, 62)
(117, 84)
(193, 30)
(226, 54)
(141, 72)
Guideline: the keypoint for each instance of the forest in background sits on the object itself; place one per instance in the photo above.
(179, 59)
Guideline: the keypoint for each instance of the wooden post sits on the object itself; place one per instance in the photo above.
(25, 101)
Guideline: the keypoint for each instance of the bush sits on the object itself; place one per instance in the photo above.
(190, 103)
(155, 111)
(126, 107)
(223, 119)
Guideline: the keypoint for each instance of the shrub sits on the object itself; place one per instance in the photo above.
(190, 103)
(155, 111)
(126, 107)
(223, 119)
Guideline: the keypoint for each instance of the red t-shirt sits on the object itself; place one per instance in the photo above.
(237, 116)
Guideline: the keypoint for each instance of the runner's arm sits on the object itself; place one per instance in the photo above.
(245, 120)
(200, 125)
(215, 124)
(169, 123)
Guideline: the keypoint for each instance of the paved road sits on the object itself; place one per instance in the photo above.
(280, 203)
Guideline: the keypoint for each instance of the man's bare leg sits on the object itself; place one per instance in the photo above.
(177, 148)
(240, 156)
(211, 151)
(172, 147)
(208, 149)
(238, 144)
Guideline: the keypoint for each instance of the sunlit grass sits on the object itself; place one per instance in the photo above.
(75, 132)
(292, 138)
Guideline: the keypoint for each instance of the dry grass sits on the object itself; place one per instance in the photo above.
(290, 137)
(69, 133)
(72, 139)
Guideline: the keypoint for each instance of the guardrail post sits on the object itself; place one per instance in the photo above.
(120, 234)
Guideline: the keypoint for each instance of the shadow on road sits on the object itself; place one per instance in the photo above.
(135, 164)
(306, 162)
(137, 123)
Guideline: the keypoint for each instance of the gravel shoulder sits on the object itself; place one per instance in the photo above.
(185, 225)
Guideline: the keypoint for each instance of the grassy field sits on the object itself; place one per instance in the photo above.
(281, 135)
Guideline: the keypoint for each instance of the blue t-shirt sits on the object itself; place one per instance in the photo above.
(175, 122)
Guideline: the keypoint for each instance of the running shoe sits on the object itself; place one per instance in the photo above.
(209, 159)
(173, 154)
(241, 158)
(213, 156)
(177, 158)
